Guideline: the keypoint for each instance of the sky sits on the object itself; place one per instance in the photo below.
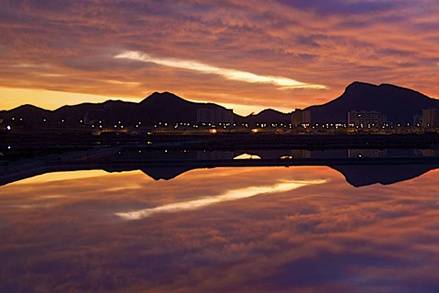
(246, 55)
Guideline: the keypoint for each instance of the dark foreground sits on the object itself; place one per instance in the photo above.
(226, 141)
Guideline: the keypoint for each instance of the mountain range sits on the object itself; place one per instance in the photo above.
(398, 104)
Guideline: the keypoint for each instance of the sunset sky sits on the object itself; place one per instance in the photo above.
(246, 55)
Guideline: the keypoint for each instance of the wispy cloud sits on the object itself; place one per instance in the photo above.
(230, 195)
(231, 74)
(328, 42)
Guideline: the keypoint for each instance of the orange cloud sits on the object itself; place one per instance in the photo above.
(313, 238)
(327, 43)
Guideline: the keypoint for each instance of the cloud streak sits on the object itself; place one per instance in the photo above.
(331, 42)
(227, 73)
(230, 195)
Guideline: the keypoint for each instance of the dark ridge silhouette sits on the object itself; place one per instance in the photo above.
(399, 104)
(27, 112)
(165, 107)
(268, 115)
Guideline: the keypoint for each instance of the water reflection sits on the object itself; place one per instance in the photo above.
(361, 167)
(229, 195)
(317, 237)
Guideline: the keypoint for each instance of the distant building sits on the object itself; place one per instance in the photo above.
(417, 119)
(207, 115)
(215, 155)
(366, 118)
(301, 154)
(430, 118)
(300, 117)
(366, 153)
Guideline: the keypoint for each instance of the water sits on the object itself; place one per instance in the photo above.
(224, 229)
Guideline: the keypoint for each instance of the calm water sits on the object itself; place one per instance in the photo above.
(213, 230)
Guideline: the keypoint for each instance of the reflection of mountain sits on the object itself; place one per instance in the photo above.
(385, 167)
(363, 175)
(158, 173)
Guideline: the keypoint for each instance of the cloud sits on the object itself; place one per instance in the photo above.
(234, 194)
(231, 74)
(344, 6)
(320, 42)
(328, 237)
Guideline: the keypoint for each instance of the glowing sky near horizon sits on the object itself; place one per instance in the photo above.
(248, 55)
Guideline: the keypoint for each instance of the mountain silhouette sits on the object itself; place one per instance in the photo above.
(158, 107)
(26, 112)
(268, 115)
(399, 104)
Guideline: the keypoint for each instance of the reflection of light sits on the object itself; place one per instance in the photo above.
(255, 130)
(231, 74)
(213, 131)
(234, 194)
(247, 157)
(287, 157)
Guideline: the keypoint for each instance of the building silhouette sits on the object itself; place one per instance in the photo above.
(300, 117)
(430, 118)
(366, 118)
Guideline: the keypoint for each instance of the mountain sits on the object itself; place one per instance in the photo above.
(268, 115)
(27, 112)
(158, 107)
(399, 104)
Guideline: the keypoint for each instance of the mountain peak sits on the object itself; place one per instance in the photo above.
(358, 85)
(162, 97)
(397, 103)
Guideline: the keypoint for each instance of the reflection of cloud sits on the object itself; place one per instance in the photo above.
(229, 195)
(231, 74)
(328, 237)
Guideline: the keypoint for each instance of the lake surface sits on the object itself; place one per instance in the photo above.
(219, 230)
